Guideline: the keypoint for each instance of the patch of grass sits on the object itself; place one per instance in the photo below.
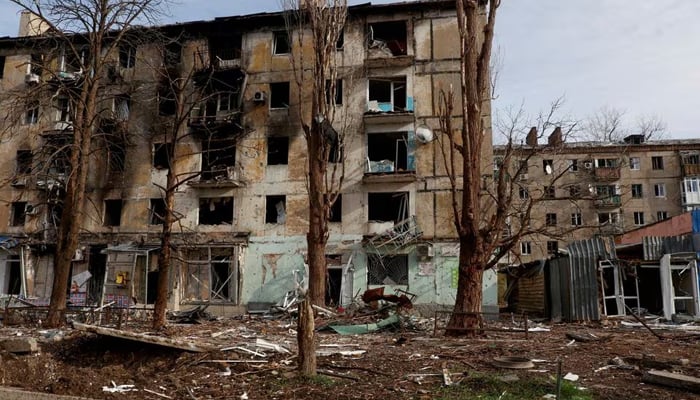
(489, 387)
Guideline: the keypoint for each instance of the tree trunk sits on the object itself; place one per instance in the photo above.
(317, 236)
(164, 259)
(305, 339)
(465, 319)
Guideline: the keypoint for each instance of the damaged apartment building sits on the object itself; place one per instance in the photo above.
(240, 238)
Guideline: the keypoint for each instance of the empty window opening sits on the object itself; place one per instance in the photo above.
(280, 43)
(384, 207)
(341, 40)
(167, 103)
(657, 163)
(387, 95)
(279, 95)
(608, 218)
(172, 53)
(523, 193)
(389, 37)
(24, 162)
(116, 149)
(162, 153)
(388, 152)
(277, 150)
(525, 248)
(218, 159)
(156, 211)
(275, 209)
(336, 210)
(11, 277)
(550, 219)
(334, 281)
(211, 275)
(390, 270)
(57, 152)
(31, 116)
(334, 93)
(216, 210)
(225, 49)
(18, 213)
(72, 61)
(36, 64)
(127, 55)
(63, 110)
(113, 212)
(552, 246)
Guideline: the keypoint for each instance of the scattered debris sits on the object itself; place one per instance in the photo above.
(140, 337)
(264, 344)
(393, 320)
(119, 388)
(571, 377)
(670, 379)
(584, 337)
(165, 396)
(513, 362)
(20, 345)
(446, 375)
(193, 316)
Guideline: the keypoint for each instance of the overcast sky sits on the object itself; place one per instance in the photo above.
(641, 56)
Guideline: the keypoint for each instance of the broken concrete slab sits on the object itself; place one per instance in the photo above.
(20, 345)
(365, 328)
(143, 338)
(663, 378)
(7, 393)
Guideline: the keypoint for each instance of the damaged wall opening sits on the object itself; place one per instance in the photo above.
(116, 150)
(388, 95)
(390, 37)
(156, 211)
(277, 150)
(336, 211)
(275, 209)
(161, 155)
(338, 88)
(211, 274)
(388, 152)
(389, 206)
(218, 159)
(215, 210)
(334, 278)
(18, 213)
(280, 42)
(10, 276)
(279, 95)
(388, 270)
(113, 212)
(24, 162)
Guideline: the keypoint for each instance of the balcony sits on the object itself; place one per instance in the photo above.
(219, 177)
(393, 237)
(607, 173)
(608, 202)
(614, 228)
(691, 169)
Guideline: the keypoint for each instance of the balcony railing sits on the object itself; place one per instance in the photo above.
(608, 202)
(607, 173)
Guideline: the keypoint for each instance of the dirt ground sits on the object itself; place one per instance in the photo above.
(405, 363)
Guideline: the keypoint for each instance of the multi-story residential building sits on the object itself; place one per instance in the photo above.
(594, 188)
(243, 213)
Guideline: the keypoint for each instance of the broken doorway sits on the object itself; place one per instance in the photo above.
(11, 276)
(619, 287)
(211, 275)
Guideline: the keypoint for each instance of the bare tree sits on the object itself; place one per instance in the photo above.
(88, 33)
(609, 124)
(316, 75)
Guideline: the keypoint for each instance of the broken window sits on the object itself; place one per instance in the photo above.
(167, 103)
(389, 152)
(225, 49)
(390, 206)
(156, 211)
(552, 246)
(72, 61)
(388, 37)
(608, 218)
(388, 270)
(56, 154)
(573, 165)
(341, 40)
(275, 209)
(116, 153)
(336, 211)
(18, 213)
(548, 166)
(215, 210)
(279, 95)
(550, 219)
(211, 274)
(161, 155)
(24, 162)
(388, 95)
(277, 150)
(11, 276)
(218, 159)
(63, 113)
(635, 163)
(113, 212)
(280, 43)
(31, 116)
(172, 53)
(336, 89)
(127, 55)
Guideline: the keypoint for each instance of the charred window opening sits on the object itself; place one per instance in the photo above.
(11, 276)
(211, 275)
(277, 150)
(31, 116)
(390, 37)
(72, 60)
(56, 155)
(275, 209)
(113, 212)
(337, 90)
(336, 211)
(157, 211)
(121, 106)
(388, 152)
(172, 53)
(218, 159)
(19, 213)
(335, 153)
(167, 103)
(225, 49)
(389, 270)
(281, 43)
(216, 210)
(127, 55)
(552, 246)
(161, 155)
(24, 162)
(36, 64)
(388, 95)
(340, 43)
(608, 218)
(279, 95)
(116, 153)
(391, 206)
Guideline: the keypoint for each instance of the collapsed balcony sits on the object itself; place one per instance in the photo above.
(219, 167)
(220, 53)
(219, 110)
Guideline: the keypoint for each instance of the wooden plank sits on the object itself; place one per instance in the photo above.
(670, 379)
(143, 338)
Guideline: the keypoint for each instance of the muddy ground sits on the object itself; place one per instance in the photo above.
(405, 363)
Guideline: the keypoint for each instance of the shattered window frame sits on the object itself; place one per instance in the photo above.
(274, 213)
(18, 213)
(112, 215)
(387, 270)
(214, 211)
(210, 275)
(281, 43)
